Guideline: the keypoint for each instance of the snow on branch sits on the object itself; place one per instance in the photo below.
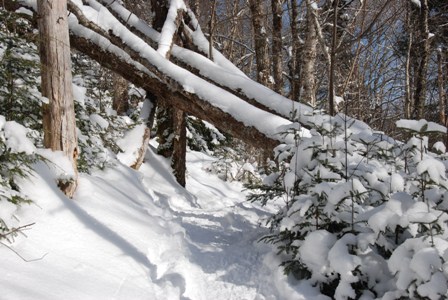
(170, 27)
(417, 3)
(220, 72)
(177, 78)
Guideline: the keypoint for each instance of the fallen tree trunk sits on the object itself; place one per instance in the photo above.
(221, 72)
(202, 99)
(190, 104)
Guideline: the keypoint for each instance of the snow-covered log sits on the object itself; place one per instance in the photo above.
(220, 72)
(98, 33)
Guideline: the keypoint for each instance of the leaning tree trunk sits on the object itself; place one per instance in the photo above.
(58, 115)
(168, 88)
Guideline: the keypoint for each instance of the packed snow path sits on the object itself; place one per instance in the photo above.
(139, 235)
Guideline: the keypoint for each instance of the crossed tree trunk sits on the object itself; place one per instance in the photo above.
(179, 75)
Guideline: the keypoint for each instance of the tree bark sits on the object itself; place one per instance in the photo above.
(408, 90)
(309, 59)
(422, 56)
(120, 101)
(58, 115)
(141, 73)
(178, 161)
(261, 42)
(212, 30)
(173, 129)
(164, 114)
(295, 64)
(277, 43)
(441, 89)
(331, 86)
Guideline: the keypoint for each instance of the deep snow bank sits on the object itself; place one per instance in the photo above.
(139, 235)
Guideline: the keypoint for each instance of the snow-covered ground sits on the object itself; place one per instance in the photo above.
(139, 235)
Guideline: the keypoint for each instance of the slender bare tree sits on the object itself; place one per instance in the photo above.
(277, 44)
(309, 57)
(261, 42)
(420, 57)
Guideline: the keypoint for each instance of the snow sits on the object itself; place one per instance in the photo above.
(396, 183)
(415, 261)
(99, 121)
(79, 92)
(421, 126)
(130, 145)
(146, 108)
(15, 136)
(338, 100)
(439, 147)
(139, 235)
(344, 263)
(433, 168)
(315, 251)
(169, 28)
(58, 163)
(417, 2)
(424, 261)
(265, 122)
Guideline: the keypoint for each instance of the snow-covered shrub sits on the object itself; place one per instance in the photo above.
(99, 125)
(357, 203)
(20, 102)
(203, 136)
(236, 162)
(17, 154)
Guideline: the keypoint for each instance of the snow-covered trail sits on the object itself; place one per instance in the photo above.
(139, 235)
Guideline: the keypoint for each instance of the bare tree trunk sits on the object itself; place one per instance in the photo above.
(172, 125)
(277, 57)
(120, 102)
(422, 67)
(408, 96)
(212, 30)
(295, 65)
(58, 115)
(180, 146)
(261, 42)
(309, 59)
(164, 87)
(164, 114)
(440, 84)
(331, 84)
